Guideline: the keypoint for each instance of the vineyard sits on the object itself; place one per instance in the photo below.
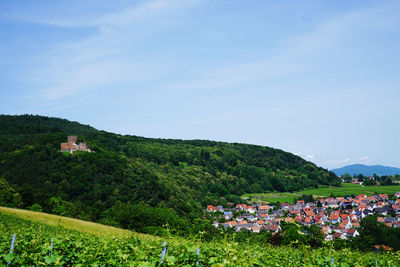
(345, 189)
(40, 244)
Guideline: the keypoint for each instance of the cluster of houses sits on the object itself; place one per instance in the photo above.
(338, 217)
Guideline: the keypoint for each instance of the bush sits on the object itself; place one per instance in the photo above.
(35, 207)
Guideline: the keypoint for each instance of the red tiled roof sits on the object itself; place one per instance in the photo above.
(308, 211)
(272, 227)
(334, 216)
(337, 235)
(383, 247)
(298, 219)
(351, 231)
(288, 219)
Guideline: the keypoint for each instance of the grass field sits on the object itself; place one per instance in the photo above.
(345, 189)
(69, 223)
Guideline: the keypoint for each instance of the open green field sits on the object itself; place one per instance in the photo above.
(104, 246)
(68, 223)
(345, 189)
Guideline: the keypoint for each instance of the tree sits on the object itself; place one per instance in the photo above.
(36, 207)
(291, 233)
(371, 233)
(347, 178)
(314, 236)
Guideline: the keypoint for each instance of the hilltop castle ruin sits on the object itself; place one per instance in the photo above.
(71, 145)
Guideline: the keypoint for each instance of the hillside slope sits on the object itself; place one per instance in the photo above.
(367, 170)
(41, 243)
(150, 182)
(68, 223)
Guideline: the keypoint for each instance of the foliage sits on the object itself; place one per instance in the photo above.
(373, 233)
(176, 176)
(72, 248)
(8, 196)
(36, 207)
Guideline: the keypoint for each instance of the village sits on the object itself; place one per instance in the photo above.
(337, 217)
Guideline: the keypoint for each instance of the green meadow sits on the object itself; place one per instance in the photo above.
(345, 190)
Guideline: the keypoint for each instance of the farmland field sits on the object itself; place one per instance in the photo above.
(345, 189)
(72, 247)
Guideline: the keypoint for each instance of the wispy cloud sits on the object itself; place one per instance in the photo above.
(309, 157)
(127, 16)
(335, 163)
(104, 58)
(296, 54)
(242, 73)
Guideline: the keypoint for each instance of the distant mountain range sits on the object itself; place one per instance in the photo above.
(366, 170)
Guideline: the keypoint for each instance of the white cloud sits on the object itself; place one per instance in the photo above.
(335, 163)
(309, 157)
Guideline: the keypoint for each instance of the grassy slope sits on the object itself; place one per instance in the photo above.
(103, 245)
(69, 223)
(345, 189)
(100, 247)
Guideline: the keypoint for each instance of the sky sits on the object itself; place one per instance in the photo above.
(316, 78)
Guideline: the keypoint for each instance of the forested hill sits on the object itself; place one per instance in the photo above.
(130, 176)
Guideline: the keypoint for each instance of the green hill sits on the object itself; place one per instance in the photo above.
(135, 182)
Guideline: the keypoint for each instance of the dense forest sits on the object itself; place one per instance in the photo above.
(136, 182)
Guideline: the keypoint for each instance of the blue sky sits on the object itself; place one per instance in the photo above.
(316, 78)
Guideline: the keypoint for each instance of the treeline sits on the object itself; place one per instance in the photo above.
(176, 176)
(372, 180)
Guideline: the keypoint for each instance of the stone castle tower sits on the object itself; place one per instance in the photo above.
(71, 145)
